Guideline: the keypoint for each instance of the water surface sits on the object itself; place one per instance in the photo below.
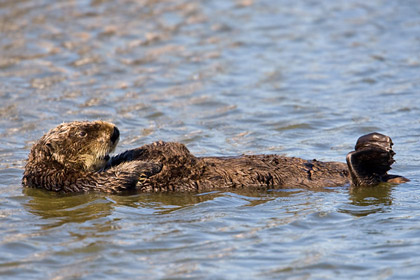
(299, 78)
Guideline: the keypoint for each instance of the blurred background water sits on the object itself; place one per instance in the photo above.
(299, 78)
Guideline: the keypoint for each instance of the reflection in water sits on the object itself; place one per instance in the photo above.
(365, 201)
(378, 195)
(62, 208)
(67, 208)
(79, 208)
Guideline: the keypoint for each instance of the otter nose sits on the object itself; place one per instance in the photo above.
(115, 135)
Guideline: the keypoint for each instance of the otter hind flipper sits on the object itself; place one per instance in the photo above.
(368, 167)
(130, 155)
(374, 140)
(371, 160)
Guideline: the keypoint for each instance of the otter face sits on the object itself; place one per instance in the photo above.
(78, 145)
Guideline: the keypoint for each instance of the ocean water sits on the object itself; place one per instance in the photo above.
(298, 78)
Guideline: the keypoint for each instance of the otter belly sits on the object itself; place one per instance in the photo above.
(182, 171)
(272, 171)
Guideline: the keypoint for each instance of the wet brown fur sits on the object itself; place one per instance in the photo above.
(73, 157)
(182, 171)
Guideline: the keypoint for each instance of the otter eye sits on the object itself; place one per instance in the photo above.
(82, 133)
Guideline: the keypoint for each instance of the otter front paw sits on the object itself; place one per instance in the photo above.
(147, 169)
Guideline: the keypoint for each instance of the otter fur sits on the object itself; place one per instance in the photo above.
(74, 157)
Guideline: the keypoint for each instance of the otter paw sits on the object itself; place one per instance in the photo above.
(142, 179)
(149, 168)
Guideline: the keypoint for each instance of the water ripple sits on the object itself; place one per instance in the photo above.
(298, 78)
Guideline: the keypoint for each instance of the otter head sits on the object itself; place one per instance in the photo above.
(76, 145)
(73, 156)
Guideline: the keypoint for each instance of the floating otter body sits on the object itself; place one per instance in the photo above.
(74, 157)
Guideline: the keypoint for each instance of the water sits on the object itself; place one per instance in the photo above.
(300, 78)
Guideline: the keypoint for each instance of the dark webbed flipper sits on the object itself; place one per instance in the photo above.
(371, 160)
(129, 155)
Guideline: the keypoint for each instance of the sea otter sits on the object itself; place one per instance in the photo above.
(74, 157)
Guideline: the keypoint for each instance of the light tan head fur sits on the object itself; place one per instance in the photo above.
(79, 145)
